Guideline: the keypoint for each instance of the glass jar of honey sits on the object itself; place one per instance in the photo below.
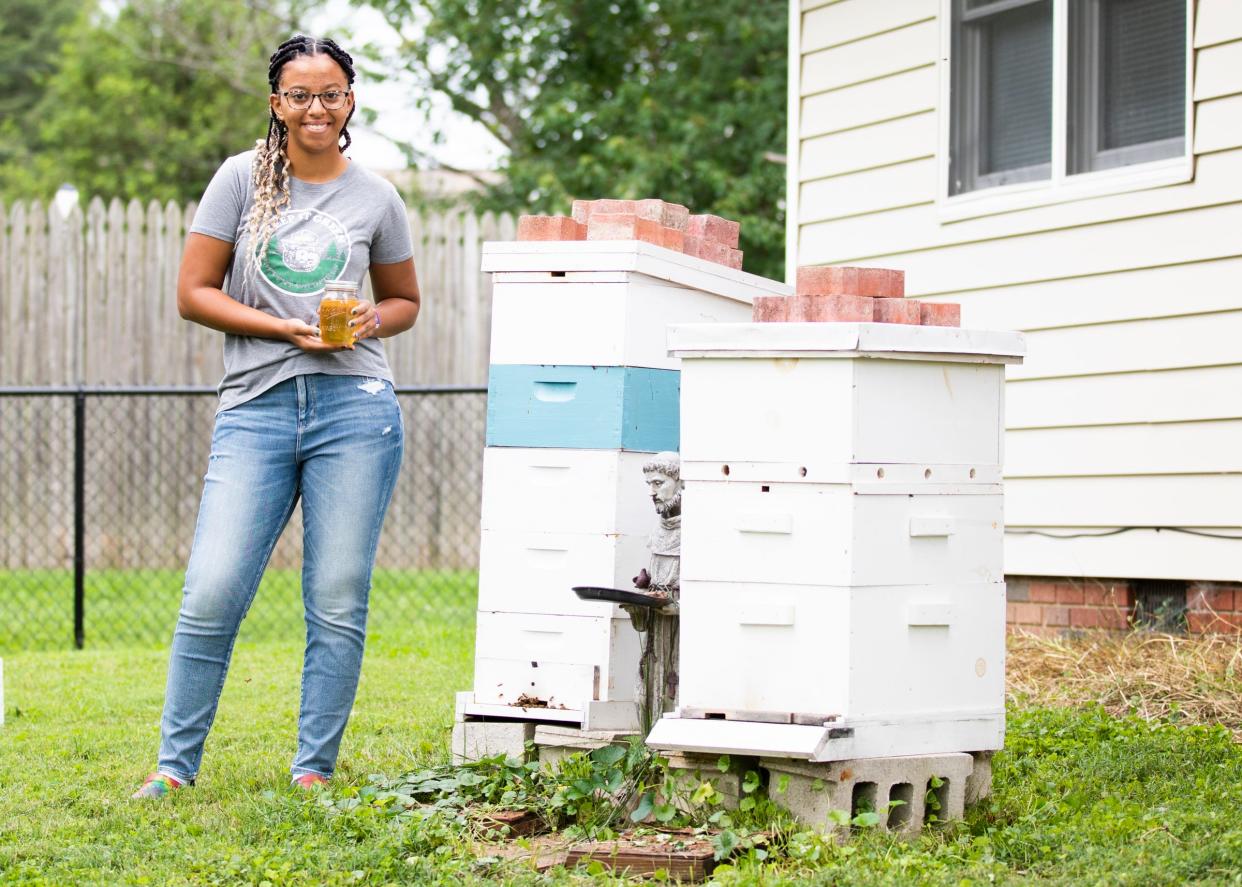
(340, 297)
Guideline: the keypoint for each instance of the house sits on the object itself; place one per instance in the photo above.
(1073, 169)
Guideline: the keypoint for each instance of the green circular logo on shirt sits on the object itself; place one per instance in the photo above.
(308, 248)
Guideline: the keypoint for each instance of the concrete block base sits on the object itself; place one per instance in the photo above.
(689, 770)
(554, 743)
(474, 740)
(979, 784)
(811, 791)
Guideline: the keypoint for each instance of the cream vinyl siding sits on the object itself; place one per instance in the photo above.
(1128, 410)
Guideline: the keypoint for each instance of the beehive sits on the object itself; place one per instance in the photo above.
(842, 583)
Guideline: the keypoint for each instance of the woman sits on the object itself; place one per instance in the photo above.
(298, 417)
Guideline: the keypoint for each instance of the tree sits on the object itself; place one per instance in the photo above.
(148, 101)
(618, 98)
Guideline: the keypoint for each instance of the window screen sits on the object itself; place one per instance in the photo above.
(1127, 82)
(1002, 93)
(1016, 80)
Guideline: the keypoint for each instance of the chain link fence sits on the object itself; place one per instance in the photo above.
(99, 491)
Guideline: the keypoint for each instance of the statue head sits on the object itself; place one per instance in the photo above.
(663, 475)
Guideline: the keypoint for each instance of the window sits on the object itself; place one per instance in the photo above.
(1042, 91)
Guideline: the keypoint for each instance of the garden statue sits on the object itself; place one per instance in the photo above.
(652, 603)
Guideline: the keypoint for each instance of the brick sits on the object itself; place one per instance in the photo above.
(715, 229)
(1068, 594)
(770, 309)
(610, 206)
(623, 226)
(844, 280)
(1085, 617)
(1043, 592)
(820, 280)
(1115, 618)
(1057, 616)
(940, 314)
(831, 309)
(1111, 595)
(1028, 614)
(549, 228)
(1215, 623)
(581, 211)
(1017, 589)
(707, 250)
(1210, 598)
(883, 283)
(671, 238)
(733, 259)
(670, 215)
(896, 311)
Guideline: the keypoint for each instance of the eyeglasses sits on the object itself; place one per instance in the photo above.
(300, 99)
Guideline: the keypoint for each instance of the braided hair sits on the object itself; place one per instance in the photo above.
(270, 169)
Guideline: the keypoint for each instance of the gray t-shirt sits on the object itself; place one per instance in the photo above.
(333, 230)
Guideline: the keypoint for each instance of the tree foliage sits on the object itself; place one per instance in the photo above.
(144, 102)
(618, 98)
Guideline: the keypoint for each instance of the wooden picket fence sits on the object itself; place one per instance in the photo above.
(91, 298)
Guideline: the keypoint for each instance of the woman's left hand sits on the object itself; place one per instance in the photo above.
(363, 320)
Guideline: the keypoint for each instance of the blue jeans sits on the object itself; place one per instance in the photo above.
(335, 442)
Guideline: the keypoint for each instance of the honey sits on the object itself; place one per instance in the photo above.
(334, 317)
(340, 297)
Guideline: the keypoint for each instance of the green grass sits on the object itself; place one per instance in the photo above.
(127, 608)
(1081, 797)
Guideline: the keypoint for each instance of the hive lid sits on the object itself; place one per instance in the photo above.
(628, 255)
(892, 340)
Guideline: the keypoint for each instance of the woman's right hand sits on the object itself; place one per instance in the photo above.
(306, 337)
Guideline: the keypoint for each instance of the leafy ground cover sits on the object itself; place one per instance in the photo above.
(1083, 795)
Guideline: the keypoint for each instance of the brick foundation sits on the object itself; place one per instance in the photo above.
(1052, 606)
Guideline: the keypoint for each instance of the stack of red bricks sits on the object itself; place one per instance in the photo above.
(857, 295)
(669, 225)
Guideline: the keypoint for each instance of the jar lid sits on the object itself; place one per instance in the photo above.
(341, 285)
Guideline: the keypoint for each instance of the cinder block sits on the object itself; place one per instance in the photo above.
(940, 314)
(554, 743)
(689, 770)
(715, 229)
(897, 311)
(673, 239)
(623, 226)
(879, 283)
(979, 783)
(669, 215)
(832, 309)
(475, 740)
(549, 228)
(770, 309)
(811, 791)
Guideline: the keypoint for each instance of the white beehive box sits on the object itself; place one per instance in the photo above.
(606, 303)
(842, 585)
(555, 514)
(564, 661)
(820, 395)
(879, 533)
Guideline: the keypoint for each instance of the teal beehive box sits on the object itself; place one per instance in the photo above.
(581, 407)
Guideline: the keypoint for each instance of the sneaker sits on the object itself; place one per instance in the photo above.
(157, 785)
(309, 781)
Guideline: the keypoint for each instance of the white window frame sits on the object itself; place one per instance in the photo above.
(1060, 187)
